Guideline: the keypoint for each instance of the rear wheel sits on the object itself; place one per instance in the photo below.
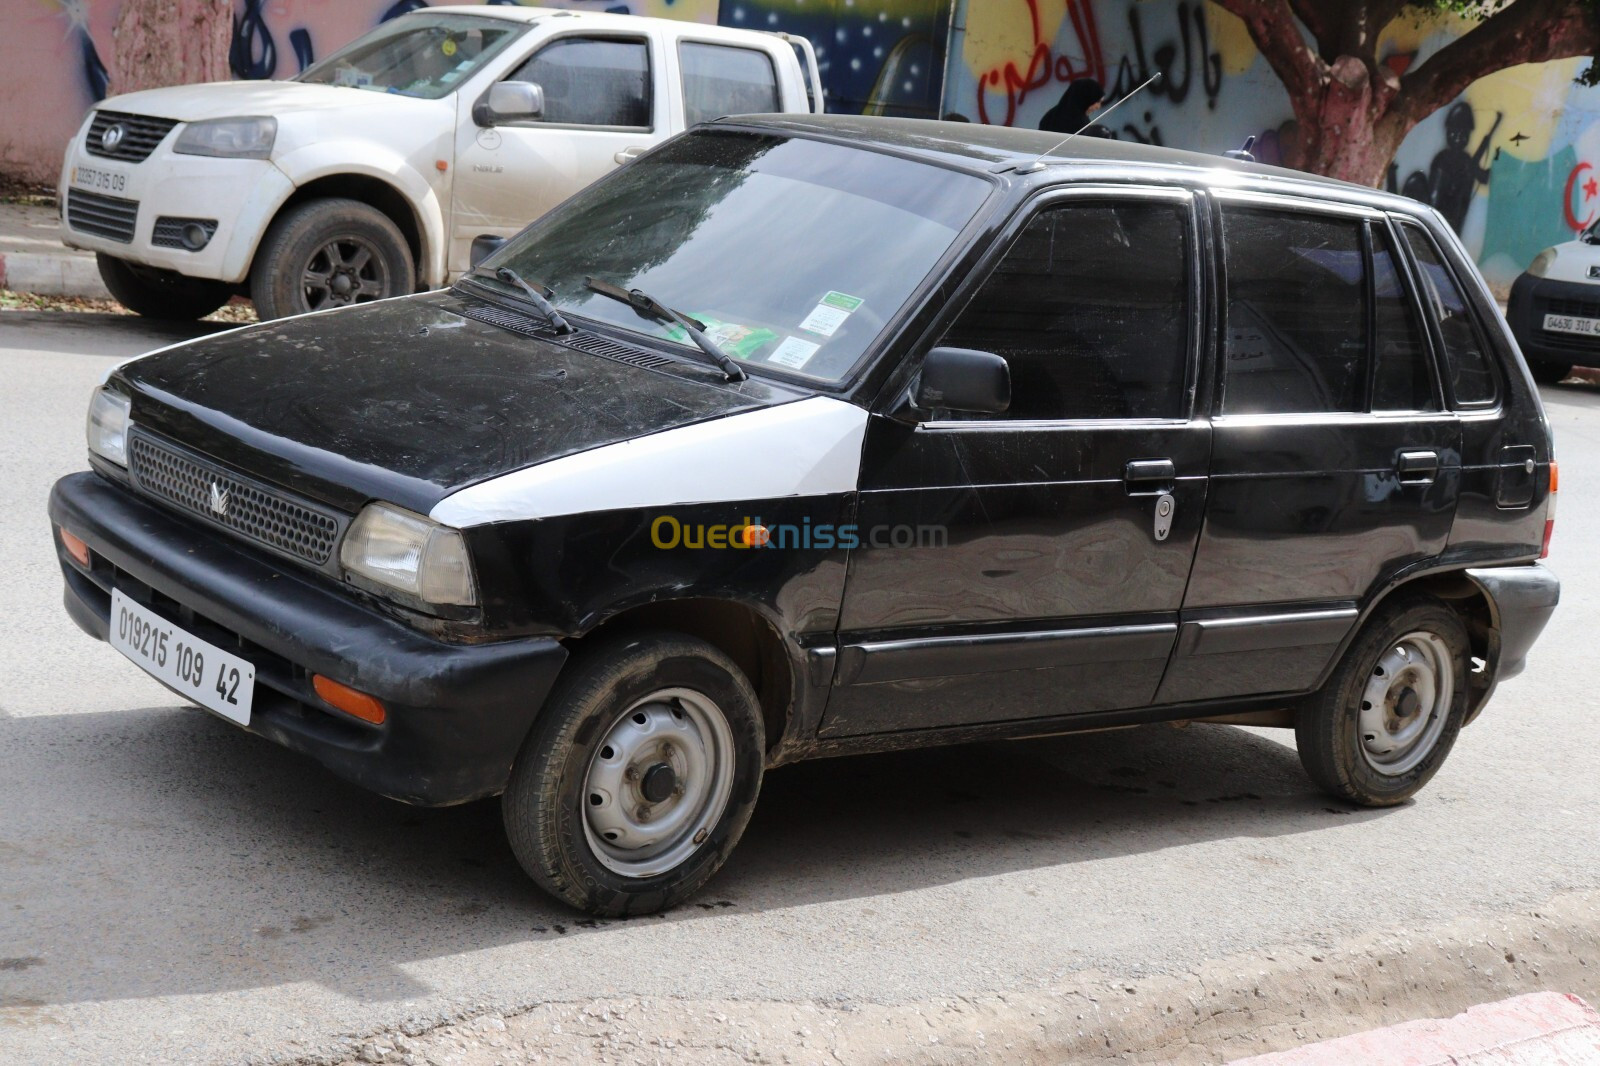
(329, 253)
(161, 293)
(639, 776)
(1550, 373)
(1387, 718)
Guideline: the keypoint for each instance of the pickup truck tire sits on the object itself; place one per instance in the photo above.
(1550, 373)
(159, 293)
(1383, 724)
(638, 776)
(329, 253)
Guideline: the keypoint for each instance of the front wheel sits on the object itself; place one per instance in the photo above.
(639, 776)
(329, 253)
(160, 293)
(1382, 726)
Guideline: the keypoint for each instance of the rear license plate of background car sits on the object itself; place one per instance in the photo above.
(203, 672)
(1589, 327)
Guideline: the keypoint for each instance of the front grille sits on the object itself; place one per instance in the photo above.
(254, 511)
(140, 135)
(1572, 308)
(168, 232)
(102, 216)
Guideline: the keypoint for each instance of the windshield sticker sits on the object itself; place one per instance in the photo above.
(448, 47)
(833, 312)
(741, 342)
(793, 353)
(351, 78)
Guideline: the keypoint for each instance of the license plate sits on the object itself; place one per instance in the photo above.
(100, 180)
(1588, 327)
(183, 662)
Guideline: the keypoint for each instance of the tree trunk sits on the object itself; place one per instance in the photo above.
(170, 42)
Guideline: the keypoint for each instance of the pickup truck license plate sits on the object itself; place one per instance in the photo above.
(1588, 327)
(183, 662)
(99, 180)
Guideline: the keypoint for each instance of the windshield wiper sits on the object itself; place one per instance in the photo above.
(651, 307)
(539, 299)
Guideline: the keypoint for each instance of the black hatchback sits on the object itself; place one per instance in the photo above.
(807, 437)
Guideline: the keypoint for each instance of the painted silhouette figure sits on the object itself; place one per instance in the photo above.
(1454, 174)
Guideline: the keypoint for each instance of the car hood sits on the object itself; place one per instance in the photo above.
(229, 99)
(409, 401)
(1571, 262)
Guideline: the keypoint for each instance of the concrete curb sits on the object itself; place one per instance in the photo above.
(45, 274)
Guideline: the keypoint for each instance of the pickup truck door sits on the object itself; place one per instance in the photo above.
(605, 102)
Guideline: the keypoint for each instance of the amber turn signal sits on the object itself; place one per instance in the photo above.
(343, 697)
(75, 548)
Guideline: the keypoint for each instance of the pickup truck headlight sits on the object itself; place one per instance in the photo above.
(410, 554)
(230, 138)
(1541, 263)
(108, 425)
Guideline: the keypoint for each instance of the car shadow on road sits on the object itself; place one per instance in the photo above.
(163, 852)
(77, 332)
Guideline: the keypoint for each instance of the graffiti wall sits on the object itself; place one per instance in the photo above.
(1514, 163)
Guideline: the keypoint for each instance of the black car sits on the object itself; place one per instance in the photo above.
(815, 436)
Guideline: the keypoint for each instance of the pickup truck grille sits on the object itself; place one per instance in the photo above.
(139, 137)
(247, 508)
(102, 216)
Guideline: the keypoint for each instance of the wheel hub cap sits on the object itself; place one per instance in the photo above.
(1406, 702)
(344, 271)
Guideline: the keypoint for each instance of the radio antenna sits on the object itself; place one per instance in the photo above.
(1038, 164)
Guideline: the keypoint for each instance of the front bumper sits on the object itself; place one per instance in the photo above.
(1531, 299)
(457, 713)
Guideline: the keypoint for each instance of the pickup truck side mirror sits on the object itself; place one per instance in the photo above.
(483, 246)
(509, 101)
(961, 379)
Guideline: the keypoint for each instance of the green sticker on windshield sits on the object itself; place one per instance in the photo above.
(741, 342)
(851, 304)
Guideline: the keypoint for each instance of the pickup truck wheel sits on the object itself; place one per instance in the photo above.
(1550, 373)
(1387, 718)
(329, 253)
(639, 776)
(159, 294)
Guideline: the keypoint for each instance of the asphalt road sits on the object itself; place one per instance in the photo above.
(173, 889)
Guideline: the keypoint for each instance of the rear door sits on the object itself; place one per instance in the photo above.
(1032, 564)
(1336, 465)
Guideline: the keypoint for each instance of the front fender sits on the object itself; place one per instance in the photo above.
(329, 159)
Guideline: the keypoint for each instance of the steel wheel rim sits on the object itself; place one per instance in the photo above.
(1406, 703)
(344, 270)
(630, 828)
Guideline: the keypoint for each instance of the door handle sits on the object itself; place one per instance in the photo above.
(628, 155)
(1418, 468)
(1150, 476)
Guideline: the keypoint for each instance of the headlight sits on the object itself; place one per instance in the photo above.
(409, 554)
(232, 138)
(108, 426)
(1541, 263)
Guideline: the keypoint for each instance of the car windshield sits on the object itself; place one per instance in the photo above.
(793, 253)
(422, 55)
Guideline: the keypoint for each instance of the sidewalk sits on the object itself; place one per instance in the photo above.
(33, 259)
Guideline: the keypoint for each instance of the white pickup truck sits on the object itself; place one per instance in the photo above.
(371, 173)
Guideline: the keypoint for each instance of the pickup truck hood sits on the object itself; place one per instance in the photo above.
(228, 99)
(408, 401)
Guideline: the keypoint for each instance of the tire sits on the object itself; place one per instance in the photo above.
(1550, 373)
(1382, 756)
(594, 758)
(329, 253)
(159, 293)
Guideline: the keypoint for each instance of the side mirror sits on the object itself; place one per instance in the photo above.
(483, 246)
(961, 379)
(509, 101)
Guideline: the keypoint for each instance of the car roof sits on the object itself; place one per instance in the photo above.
(594, 20)
(984, 148)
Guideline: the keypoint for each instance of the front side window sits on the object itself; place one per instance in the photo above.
(1472, 380)
(1297, 313)
(592, 81)
(422, 54)
(794, 253)
(1090, 307)
(720, 80)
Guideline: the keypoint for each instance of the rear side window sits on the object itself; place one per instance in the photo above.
(1402, 380)
(721, 80)
(1297, 313)
(1472, 379)
(1091, 309)
(592, 81)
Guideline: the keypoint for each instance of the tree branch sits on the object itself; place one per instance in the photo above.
(1526, 31)
(1277, 36)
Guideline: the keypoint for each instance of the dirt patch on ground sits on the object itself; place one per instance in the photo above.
(238, 312)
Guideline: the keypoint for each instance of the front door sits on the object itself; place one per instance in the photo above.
(600, 109)
(1032, 564)
(1337, 465)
